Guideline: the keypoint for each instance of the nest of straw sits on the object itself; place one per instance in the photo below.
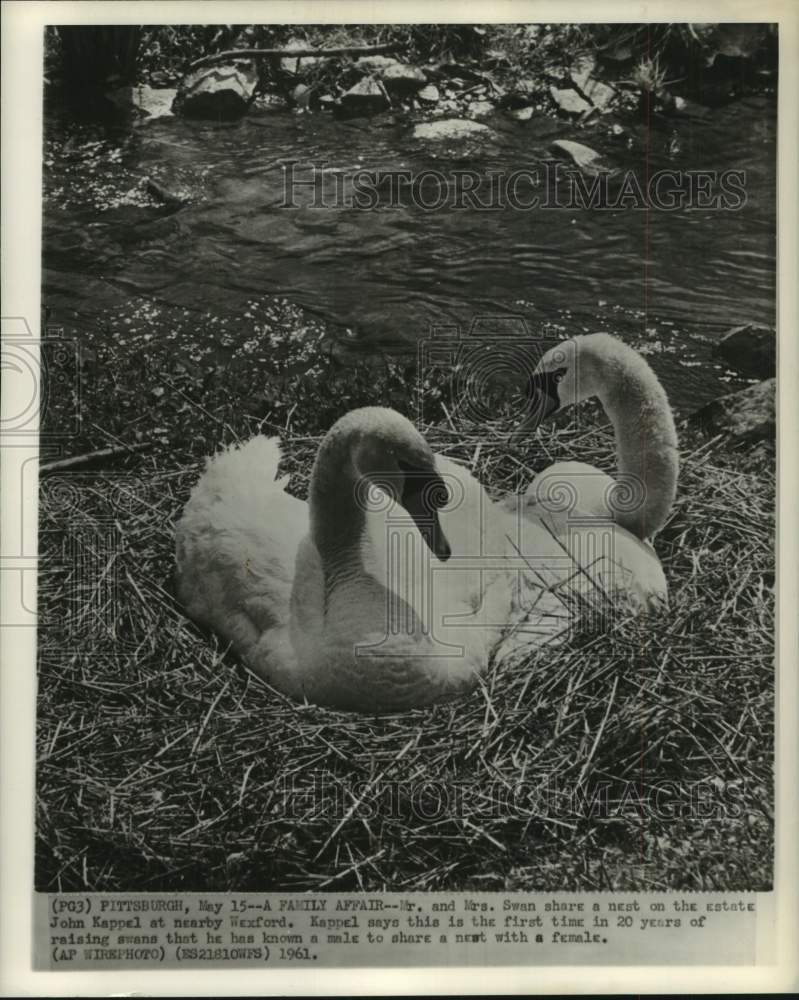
(639, 756)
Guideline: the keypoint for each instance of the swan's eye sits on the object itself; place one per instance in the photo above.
(559, 374)
(425, 484)
(435, 494)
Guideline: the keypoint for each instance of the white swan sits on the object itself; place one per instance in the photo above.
(312, 596)
(334, 600)
(577, 532)
(641, 496)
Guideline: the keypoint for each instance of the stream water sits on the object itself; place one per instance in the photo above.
(671, 282)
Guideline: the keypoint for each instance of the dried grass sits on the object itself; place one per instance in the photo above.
(164, 765)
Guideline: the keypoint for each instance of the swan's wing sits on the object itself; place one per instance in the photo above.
(568, 488)
(250, 467)
(502, 548)
(572, 501)
(627, 569)
(236, 544)
(591, 564)
(273, 658)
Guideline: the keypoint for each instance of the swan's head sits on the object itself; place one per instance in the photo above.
(386, 452)
(568, 373)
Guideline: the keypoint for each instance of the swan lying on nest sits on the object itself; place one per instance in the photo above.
(571, 509)
(332, 600)
(641, 497)
(356, 600)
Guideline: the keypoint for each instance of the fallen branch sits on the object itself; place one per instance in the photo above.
(346, 50)
(92, 456)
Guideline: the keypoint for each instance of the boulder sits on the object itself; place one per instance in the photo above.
(582, 70)
(155, 102)
(587, 159)
(221, 92)
(750, 349)
(451, 128)
(293, 65)
(402, 80)
(601, 95)
(522, 114)
(569, 101)
(367, 97)
(748, 415)
(302, 96)
(583, 75)
(429, 94)
(168, 194)
(399, 79)
(477, 109)
(375, 63)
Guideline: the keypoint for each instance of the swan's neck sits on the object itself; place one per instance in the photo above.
(646, 442)
(338, 522)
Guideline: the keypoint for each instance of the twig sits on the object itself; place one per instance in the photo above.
(360, 799)
(92, 456)
(599, 732)
(208, 715)
(345, 50)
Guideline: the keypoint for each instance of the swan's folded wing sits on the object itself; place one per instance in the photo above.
(251, 466)
(236, 544)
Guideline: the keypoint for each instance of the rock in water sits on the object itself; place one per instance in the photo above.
(748, 415)
(451, 128)
(222, 92)
(302, 96)
(479, 108)
(583, 75)
(570, 101)
(402, 80)
(399, 79)
(587, 159)
(429, 94)
(156, 102)
(367, 97)
(172, 197)
(750, 349)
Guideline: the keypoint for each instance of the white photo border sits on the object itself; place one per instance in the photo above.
(22, 50)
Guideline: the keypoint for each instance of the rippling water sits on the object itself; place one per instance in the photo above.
(382, 278)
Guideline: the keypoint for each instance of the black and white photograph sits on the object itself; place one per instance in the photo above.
(407, 465)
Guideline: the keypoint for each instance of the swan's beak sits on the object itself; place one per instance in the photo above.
(543, 395)
(436, 540)
(429, 525)
(543, 400)
(421, 498)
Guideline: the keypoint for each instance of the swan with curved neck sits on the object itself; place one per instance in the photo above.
(636, 404)
(301, 591)
(576, 531)
(314, 600)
